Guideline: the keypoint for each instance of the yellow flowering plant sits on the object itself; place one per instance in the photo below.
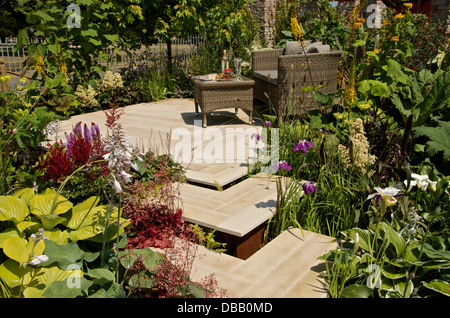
(384, 68)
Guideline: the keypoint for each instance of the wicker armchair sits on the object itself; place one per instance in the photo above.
(279, 78)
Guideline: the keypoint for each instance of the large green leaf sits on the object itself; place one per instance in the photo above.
(113, 291)
(26, 194)
(143, 279)
(49, 221)
(87, 213)
(439, 138)
(439, 286)
(7, 234)
(150, 258)
(405, 289)
(64, 255)
(57, 236)
(395, 72)
(59, 289)
(22, 226)
(394, 238)
(363, 237)
(11, 272)
(436, 254)
(37, 280)
(13, 209)
(20, 249)
(101, 276)
(357, 291)
(45, 204)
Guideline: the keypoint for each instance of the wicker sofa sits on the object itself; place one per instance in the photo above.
(280, 75)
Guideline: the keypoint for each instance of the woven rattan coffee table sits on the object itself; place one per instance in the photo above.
(212, 95)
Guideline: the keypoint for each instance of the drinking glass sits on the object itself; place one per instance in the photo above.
(237, 66)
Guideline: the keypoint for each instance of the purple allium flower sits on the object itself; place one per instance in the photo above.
(283, 165)
(303, 145)
(309, 187)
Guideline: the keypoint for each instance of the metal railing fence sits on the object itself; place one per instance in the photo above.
(182, 49)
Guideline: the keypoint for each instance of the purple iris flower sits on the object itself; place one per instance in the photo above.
(254, 135)
(303, 145)
(309, 187)
(267, 124)
(283, 165)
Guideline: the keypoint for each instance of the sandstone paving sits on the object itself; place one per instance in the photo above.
(285, 267)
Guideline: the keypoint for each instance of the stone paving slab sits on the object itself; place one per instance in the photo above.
(287, 267)
(157, 126)
(236, 210)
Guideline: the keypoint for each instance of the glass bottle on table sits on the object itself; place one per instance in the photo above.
(225, 61)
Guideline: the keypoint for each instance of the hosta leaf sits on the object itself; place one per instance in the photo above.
(439, 286)
(101, 276)
(38, 280)
(7, 234)
(356, 291)
(141, 280)
(111, 231)
(64, 255)
(114, 291)
(22, 226)
(49, 221)
(86, 205)
(394, 238)
(44, 204)
(60, 289)
(13, 209)
(436, 254)
(26, 194)
(57, 236)
(10, 273)
(150, 258)
(20, 249)
(85, 233)
(363, 237)
(392, 272)
(404, 289)
(86, 217)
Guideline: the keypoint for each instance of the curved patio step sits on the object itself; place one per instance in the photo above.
(287, 267)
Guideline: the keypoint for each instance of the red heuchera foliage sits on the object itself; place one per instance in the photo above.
(154, 224)
(172, 277)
